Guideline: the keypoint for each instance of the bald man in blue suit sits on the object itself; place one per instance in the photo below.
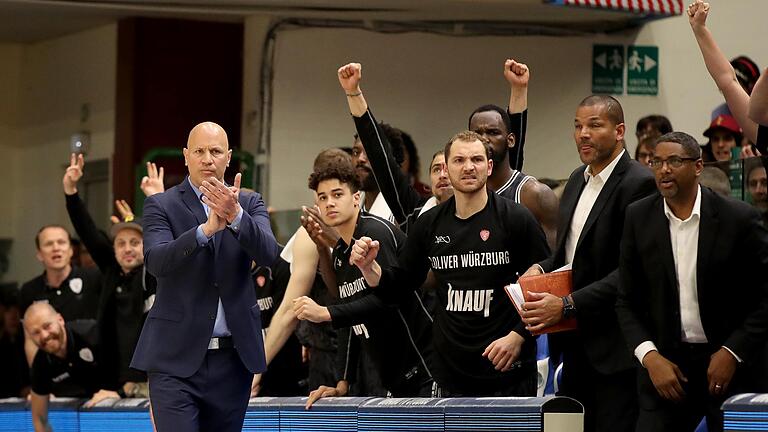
(202, 343)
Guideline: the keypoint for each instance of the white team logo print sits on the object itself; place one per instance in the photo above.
(337, 263)
(442, 239)
(76, 285)
(86, 354)
(484, 234)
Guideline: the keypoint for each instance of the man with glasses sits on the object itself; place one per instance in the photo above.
(675, 252)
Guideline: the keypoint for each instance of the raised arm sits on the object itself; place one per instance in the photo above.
(517, 75)
(303, 273)
(98, 245)
(720, 69)
(758, 101)
(395, 186)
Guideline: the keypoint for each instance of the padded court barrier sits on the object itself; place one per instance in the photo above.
(746, 412)
(345, 414)
(406, 414)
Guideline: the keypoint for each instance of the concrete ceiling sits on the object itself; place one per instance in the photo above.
(29, 21)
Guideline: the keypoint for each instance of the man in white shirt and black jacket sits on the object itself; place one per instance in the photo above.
(693, 298)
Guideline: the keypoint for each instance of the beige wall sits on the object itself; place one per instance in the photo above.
(10, 74)
(424, 83)
(428, 85)
(55, 78)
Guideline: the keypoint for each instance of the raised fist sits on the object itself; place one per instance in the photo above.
(350, 76)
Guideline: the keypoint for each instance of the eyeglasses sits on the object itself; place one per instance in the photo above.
(672, 162)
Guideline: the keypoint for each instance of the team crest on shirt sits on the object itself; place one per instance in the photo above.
(86, 354)
(484, 234)
(76, 285)
(337, 263)
(261, 281)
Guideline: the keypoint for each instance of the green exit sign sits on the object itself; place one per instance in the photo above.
(608, 69)
(642, 70)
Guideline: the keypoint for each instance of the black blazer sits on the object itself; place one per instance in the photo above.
(731, 270)
(596, 261)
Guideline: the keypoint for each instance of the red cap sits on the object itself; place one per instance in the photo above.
(723, 121)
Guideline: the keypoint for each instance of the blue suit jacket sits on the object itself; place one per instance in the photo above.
(191, 278)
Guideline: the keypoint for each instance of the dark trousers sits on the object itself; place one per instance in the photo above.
(610, 401)
(658, 414)
(214, 398)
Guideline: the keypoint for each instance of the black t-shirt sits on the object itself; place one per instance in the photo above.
(389, 333)
(80, 374)
(76, 298)
(472, 259)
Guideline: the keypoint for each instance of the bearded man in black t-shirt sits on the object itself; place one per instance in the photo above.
(475, 243)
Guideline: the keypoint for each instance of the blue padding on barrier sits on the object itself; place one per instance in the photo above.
(63, 415)
(124, 415)
(263, 415)
(337, 414)
(494, 414)
(15, 421)
(14, 416)
(346, 414)
(746, 412)
(411, 414)
(115, 421)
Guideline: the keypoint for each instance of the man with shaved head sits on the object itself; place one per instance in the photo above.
(202, 343)
(67, 362)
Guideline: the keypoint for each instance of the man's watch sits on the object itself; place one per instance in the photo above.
(569, 309)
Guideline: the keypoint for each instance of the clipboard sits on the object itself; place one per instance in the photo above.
(558, 283)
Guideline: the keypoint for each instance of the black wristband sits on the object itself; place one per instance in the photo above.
(121, 392)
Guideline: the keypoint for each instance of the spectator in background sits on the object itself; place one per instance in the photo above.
(724, 134)
(715, 179)
(411, 166)
(14, 371)
(648, 129)
(72, 291)
(128, 291)
(653, 124)
(757, 184)
(68, 361)
(642, 151)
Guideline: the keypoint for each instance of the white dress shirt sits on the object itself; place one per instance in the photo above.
(584, 206)
(684, 238)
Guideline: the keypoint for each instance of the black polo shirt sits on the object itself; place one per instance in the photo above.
(76, 298)
(77, 375)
